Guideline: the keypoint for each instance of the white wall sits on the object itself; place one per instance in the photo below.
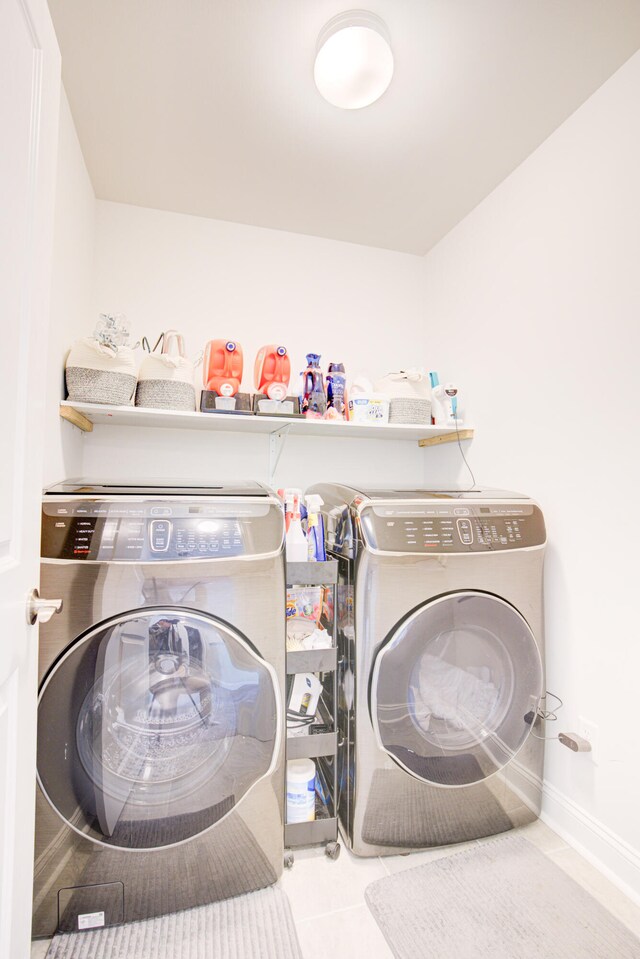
(214, 279)
(533, 304)
(71, 292)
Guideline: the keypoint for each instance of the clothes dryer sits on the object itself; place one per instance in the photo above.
(160, 750)
(440, 619)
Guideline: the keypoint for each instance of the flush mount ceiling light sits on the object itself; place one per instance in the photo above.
(354, 62)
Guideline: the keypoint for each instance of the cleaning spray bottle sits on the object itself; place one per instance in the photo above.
(316, 552)
(296, 541)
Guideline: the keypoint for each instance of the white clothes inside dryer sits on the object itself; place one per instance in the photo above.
(464, 698)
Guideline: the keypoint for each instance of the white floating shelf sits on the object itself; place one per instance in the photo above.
(87, 415)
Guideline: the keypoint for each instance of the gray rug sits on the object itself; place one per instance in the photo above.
(255, 926)
(403, 812)
(230, 862)
(503, 899)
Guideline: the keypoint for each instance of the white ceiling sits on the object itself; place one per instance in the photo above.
(209, 107)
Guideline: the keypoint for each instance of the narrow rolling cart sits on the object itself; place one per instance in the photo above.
(311, 605)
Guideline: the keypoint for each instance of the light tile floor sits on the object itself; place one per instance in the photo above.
(334, 922)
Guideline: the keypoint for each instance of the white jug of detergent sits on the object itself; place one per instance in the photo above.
(446, 409)
(301, 790)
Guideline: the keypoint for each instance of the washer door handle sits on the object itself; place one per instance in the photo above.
(41, 610)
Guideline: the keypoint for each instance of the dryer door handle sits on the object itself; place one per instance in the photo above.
(41, 610)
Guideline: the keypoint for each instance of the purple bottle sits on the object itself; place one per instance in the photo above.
(313, 400)
(336, 383)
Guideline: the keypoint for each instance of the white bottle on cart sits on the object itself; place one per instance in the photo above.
(296, 541)
(301, 790)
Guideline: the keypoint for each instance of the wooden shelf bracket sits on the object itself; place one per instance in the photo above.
(76, 419)
(448, 438)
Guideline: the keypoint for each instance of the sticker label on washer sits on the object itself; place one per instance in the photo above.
(90, 920)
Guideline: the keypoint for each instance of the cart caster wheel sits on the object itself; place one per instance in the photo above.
(288, 860)
(332, 850)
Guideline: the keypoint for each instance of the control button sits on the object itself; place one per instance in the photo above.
(160, 511)
(159, 535)
(461, 511)
(465, 531)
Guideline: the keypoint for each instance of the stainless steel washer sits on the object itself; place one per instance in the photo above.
(440, 618)
(160, 716)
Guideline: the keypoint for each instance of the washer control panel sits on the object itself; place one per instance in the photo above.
(140, 531)
(436, 528)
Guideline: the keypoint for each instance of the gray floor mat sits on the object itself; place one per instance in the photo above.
(256, 926)
(503, 899)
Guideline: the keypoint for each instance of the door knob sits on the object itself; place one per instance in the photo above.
(41, 610)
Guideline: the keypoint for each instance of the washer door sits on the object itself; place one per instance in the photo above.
(154, 725)
(454, 688)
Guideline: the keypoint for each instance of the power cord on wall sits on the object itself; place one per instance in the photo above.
(455, 419)
(574, 742)
(549, 715)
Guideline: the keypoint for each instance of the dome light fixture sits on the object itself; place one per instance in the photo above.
(354, 62)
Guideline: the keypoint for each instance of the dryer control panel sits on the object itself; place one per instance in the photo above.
(451, 528)
(147, 531)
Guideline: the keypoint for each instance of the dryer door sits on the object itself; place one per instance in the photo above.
(154, 725)
(455, 687)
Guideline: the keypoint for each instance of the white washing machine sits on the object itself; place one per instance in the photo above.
(160, 713)
(440, 614)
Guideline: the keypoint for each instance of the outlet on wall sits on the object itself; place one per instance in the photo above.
(589, 731)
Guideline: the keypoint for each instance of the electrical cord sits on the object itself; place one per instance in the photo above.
(296, 720)
(455, 419)
(549, 715)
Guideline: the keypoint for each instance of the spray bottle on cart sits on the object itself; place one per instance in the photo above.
(296, 541)
(316, 552)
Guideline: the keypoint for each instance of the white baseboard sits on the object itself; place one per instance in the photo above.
(614, 857)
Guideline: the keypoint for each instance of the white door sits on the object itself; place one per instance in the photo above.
(29, 96)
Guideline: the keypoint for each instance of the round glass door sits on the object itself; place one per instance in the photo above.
(154, 725)
(455, 687)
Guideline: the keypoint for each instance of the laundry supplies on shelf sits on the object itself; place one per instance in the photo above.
(446, 409)
(336, 392)
(223, 365)
(272, 372)
(313, 397)
(165, 377)
(409, 395)
(101, 368)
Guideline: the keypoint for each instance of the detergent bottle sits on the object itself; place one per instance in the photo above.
(336, 400)
(222, 370)
(445, 404)
(272, 371)
(313, 400)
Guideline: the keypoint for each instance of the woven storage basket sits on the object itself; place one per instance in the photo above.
(165, 380)
(409, 393)
(403, 409)
(96, 374)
